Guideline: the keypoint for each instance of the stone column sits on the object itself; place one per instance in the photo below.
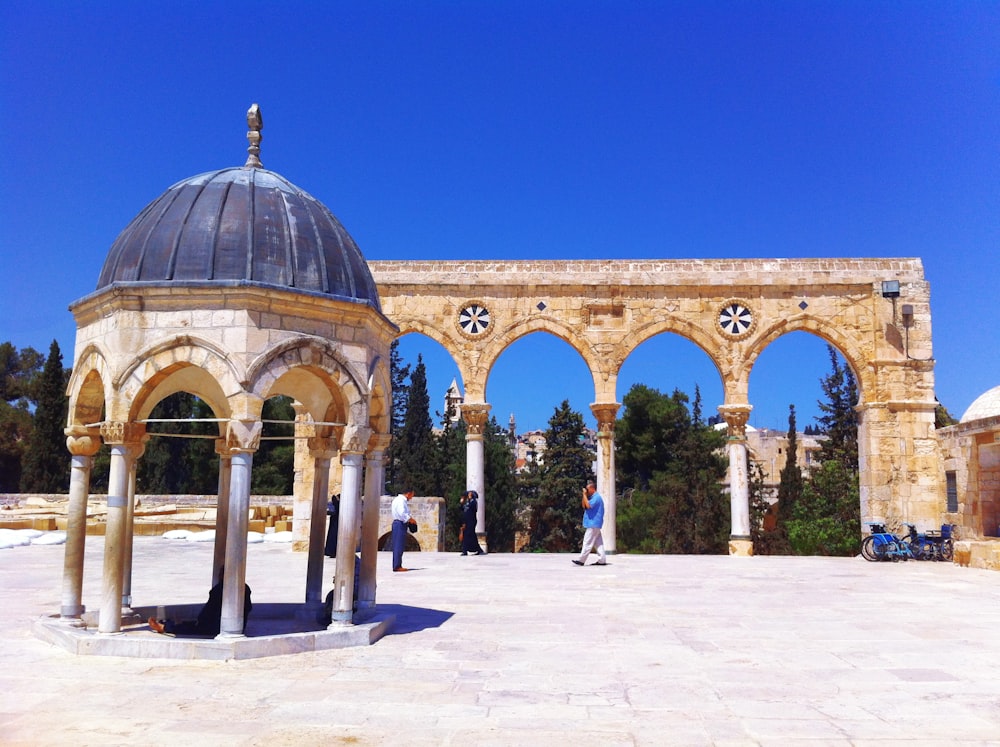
(351, 459)
(119, 436)
(476, 415)
(135, 452)
(606, 412)
(221, 509)
(374, 483)
(243, 438)
(739, 487)
(321, 451)
(82, 443)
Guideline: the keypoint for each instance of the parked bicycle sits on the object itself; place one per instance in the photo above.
(881, 544)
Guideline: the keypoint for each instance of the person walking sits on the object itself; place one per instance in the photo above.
(470, 502)
(593, 520)
(400, 518)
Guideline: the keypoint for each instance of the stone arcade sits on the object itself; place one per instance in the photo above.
(876, 312)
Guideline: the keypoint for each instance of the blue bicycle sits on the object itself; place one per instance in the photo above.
(884, 545)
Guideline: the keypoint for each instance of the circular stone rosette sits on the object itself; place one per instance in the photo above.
(735, 319)
(474, 320)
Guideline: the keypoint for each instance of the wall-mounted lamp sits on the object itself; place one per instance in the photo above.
(890, 289)
(907, 315)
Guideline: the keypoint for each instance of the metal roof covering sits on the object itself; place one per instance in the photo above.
(240, 224)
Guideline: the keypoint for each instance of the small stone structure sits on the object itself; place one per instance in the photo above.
(235, 286)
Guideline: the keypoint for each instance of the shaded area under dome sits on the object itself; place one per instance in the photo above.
(240, 224)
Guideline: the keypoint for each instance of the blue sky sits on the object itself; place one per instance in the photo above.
(526, 130)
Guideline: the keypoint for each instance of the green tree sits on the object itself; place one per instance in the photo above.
(181, 461)
(451, 478)
(556, 512)
(839, 419)
(501, 488)
(398, 373)
(18, 371)
(826, 519)
(790, 482)
(274, 463)
(414, 448)
(45, 467)
(671, 468)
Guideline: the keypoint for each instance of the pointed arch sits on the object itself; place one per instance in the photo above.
(314, 372)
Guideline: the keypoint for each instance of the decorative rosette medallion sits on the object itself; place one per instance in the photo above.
(474, 320)
(736, 320)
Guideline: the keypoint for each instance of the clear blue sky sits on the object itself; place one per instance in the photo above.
(523, 130)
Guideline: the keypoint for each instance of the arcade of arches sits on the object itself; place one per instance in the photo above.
(732, 309)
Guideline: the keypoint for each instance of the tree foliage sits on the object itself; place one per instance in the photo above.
(826, 519)
(45, 464)
(18, 373)
(413, 451)
(555, 509)
(670, 471)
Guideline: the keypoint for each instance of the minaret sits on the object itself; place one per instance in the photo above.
(452, 402)
(512, 432)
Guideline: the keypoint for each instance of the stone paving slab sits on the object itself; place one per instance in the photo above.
(532, 650)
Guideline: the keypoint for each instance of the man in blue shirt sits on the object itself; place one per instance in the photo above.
(593, 520)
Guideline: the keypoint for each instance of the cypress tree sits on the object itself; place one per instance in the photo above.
(46, 460)
(416, 454)
(556, 513)
(790, 484)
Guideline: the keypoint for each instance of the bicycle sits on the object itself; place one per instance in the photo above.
(883, 545)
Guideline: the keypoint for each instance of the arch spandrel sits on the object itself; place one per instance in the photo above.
(711, 346)
(864, 373)
(317, 375)
(465, 356)
(502, 340)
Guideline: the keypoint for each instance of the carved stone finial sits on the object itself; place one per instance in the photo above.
(256, 123)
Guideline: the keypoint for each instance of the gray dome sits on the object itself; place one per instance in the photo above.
(240, 225)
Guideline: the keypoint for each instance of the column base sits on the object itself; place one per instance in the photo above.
(340, 620)
(741, 547)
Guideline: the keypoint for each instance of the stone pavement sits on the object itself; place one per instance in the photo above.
(532, 650)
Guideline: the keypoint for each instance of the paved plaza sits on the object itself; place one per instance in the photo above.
(532, 650)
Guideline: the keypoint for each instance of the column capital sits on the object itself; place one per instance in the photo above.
(321, 448)
(83, 441)
(355, 440)
(475, 415)
(120, 432)
(736, 417)
(243, 435)
(606, 414)
(378, 442)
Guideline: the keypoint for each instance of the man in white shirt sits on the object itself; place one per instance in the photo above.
(400, 518)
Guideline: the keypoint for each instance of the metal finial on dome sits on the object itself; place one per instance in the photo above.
(256, 123)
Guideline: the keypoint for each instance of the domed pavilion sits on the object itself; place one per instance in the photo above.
(234, 286)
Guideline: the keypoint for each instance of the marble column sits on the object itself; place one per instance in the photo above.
(351, 460)
(739, 487)
(321, 450)
(135, 451)
(221, 510)
(82, 443)
(243, 438)
(370, 509)
(606, 412)
(119, 436)
(476, 415)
